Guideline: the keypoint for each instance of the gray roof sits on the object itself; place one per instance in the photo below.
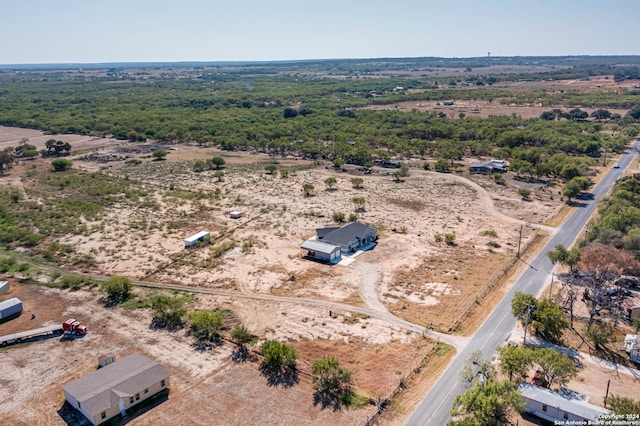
(321, 232)
(9, 303)
(319, 246)
(491, 164)
(124, 378)
(349, 233)
(567, 400)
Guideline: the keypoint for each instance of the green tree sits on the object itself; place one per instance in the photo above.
(492, 403)
(492, 234)
(6, 160)
(118, 289)
(241, 335)
(549, 320)
(167, 311)
(218, 162)
(338, 217)
(307, 188)
(521, 304)
(524, 193)
(622, 405)
(219, 175)
(205, 324)
(338, 163)
(271, 168)
(599, 335)
(159, 154)
(330, 377)
(278, 356)
(359, 203)
(284, 173)
(356, 182)
(61, 164)
(442, 165)
(601, 114)
(449, 238)
(515, 361)
(572, 189)
(330, 182)
(556, 367)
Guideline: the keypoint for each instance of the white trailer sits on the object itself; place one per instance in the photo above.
(4, 287)
(193, 240)
(10, 307)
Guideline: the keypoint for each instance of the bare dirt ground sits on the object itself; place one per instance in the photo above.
(484, 109)
(259, 254)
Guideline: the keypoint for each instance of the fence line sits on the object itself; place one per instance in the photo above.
(493, 281)
(414, 368)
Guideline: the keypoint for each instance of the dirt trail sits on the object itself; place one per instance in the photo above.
(490, 207)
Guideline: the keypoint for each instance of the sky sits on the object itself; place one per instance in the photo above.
(99, 31)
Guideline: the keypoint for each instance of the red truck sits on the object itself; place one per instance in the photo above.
(72, 326)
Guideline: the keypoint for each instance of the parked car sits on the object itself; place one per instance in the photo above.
(616, 166)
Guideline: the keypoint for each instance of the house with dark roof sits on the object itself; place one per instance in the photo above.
(331, 243)
(491, 166)
(565, 406)
(349, 237)
(113, 389)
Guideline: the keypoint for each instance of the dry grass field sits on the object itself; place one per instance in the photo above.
(141, 236)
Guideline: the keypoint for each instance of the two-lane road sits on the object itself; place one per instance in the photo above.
(435, 408)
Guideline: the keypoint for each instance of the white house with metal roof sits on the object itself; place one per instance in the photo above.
(565, 406)
(111, 390)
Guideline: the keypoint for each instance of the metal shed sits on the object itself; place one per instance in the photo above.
(4, 287)
(10, 307)
(193, 240)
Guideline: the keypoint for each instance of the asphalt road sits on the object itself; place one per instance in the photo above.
(436, 406)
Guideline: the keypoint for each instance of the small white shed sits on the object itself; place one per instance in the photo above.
(235, 214)
(4, 287)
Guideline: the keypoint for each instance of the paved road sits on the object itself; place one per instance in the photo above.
(435, 408)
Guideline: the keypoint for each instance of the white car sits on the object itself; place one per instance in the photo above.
(616, 166)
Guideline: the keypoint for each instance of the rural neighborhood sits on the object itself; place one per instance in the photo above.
(273, 244)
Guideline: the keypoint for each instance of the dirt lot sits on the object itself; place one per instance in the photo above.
(259, 254)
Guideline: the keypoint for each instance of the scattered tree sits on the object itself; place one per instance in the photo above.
(622, 405)
(549, 320)
(218, 162)
(338, 217)
(329, 377)
(490, 404)
(205, 324)
(515, 361)
(338, 163)
(442, 165)
(307, 188)
(118, 289)
(61, 164)
(159, 154)
(219, 175)
(492, 234)
(278, 356)
(6, 160)
(359, 203)
(167, 311)
(356, 182)
(271, 168)
(524, 193)
(330, 182)
(556, 367)
(599, 334)
(284, 173)
(449, 238)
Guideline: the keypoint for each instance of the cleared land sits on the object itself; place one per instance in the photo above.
(141, 236)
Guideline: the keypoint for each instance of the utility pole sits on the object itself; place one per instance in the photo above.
(551, 286)
(519, 240)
